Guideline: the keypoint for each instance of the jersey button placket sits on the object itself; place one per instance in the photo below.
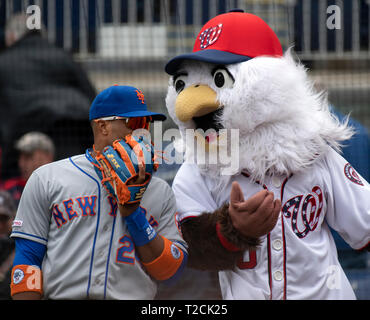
(277, 245)
(278, 275)
(277, 254)
(277, 264)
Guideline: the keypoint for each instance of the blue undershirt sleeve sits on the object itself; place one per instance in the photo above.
(28, 252)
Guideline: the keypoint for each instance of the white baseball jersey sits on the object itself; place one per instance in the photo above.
(90, 253)
(298, 259)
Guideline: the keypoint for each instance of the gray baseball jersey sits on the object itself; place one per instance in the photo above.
(90, 253)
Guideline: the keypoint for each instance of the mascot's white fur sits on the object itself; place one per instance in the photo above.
(284, 124)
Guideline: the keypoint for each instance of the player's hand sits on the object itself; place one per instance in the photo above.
(256, 216)
(127, 209)
(125, 169)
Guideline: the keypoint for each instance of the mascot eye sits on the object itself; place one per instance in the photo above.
(223, 79)
(179, 83)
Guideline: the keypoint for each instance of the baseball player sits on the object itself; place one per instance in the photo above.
(88, 228)
(265, 227)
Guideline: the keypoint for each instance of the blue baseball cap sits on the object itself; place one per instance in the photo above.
(121, 101)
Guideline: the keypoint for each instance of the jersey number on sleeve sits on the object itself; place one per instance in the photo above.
(251, 263)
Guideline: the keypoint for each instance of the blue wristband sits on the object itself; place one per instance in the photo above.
(141, 231)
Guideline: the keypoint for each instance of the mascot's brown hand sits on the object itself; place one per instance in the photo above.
(256, 216)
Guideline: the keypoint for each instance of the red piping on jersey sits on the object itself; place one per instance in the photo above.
(245, 174)
(269, 263)
(268, 250)
(284, 242)
(284, 256)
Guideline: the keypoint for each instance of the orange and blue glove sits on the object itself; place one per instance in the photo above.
(119, 165)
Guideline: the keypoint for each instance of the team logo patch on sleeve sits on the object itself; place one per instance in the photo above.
(18, 276)
(352, 175)
(175, 252)
(26, 278)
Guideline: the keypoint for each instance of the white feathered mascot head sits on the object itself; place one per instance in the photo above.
(238, 78)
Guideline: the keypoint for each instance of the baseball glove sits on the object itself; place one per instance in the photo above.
(119, 167)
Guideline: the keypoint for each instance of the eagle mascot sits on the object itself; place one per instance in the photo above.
(262, 222)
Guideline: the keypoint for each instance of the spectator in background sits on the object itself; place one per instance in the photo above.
(41, 88)
(7, 245)
(35, 149)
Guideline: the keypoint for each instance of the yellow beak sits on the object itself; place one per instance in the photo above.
(195, 101)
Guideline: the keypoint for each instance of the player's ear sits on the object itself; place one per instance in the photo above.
(101, 127)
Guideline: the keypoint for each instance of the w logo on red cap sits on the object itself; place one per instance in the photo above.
(210, 36)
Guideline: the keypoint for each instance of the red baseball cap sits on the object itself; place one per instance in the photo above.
(231, 38)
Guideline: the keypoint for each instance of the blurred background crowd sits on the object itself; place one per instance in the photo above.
(50, 72)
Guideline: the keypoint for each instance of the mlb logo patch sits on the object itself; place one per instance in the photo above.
(17, 223)
(210, 36)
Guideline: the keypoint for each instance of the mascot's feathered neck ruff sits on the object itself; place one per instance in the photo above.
(285, 125)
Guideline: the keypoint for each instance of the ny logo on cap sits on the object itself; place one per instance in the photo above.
(140, 96)
(210, 36)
